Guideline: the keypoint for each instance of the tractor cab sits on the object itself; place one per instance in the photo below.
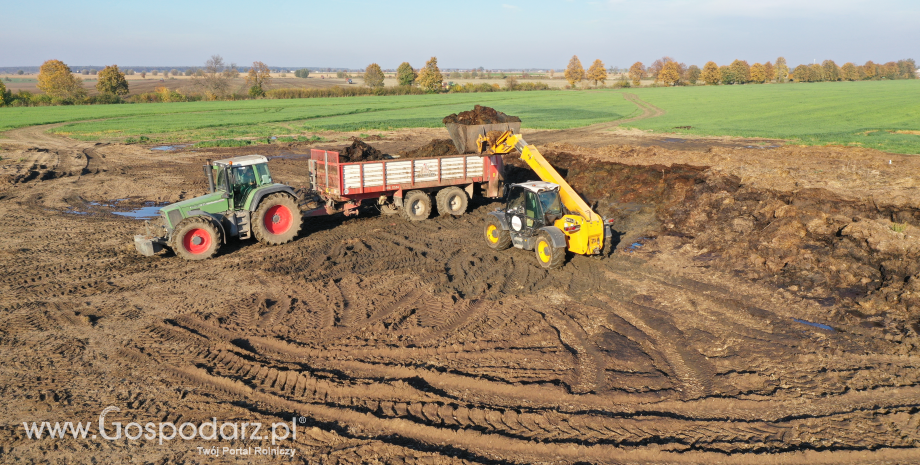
(237, 177)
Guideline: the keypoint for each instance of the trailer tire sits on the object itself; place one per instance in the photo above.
(452, 201)
(548, 257)
(277, 219)
(196, 238)
(416, 206)
(496, 236)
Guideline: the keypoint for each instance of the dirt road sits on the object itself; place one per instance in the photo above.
(733, 324)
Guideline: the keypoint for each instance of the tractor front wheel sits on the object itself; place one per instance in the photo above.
(277, 220)
(196, 238)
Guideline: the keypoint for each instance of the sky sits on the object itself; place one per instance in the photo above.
(508, 34)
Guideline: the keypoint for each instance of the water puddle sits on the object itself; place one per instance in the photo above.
(139, 210)
(169, 148)
(816, 325)
(148, 211)
(674, 140)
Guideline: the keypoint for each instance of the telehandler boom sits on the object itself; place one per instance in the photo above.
(548, 217)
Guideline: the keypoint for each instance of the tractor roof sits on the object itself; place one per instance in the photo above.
(538, 186)
(243, 160)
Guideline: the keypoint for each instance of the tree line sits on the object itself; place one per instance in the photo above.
(667, 71)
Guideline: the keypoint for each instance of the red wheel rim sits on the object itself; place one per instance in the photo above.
(278, 219)
(197, 241)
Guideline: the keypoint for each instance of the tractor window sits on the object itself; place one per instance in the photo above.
(243, 182)
(532, 209)
(551, 203)
(222, 180)
(516, 200)
(263, 177)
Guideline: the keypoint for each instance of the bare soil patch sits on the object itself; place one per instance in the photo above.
(759, 307)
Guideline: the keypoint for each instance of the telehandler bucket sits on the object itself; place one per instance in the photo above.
(464, 136)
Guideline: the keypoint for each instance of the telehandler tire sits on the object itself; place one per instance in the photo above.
(416, 206)
(196, 238)
(452, 201)
(496, 237)
(548, 257)
(277, 220)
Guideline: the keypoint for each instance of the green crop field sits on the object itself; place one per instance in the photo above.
(867, 114)
(881, 114)
(177, 122)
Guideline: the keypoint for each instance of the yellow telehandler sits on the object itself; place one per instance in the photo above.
(546, 216)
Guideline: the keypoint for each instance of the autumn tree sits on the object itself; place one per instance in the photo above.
(373, 75)
(56, 80)
(597, 72)
(258, 78)
(741, 71)
(888, 70)
(848, 72)
(816, 73)
(726, 74)
(907, 68)
(112, 81)
(782, 70)
(800, 74)
(574, 73)
(302, 73)
(635, 72)
(405, 75)
(758, 75)
(4, 97)
(669, 74)
(655, 69)
(711, 74)
(430, 77)
(550, 73)
(769, 72)
(693, 74)
(215, 78)
(870, 68)
(831, 70)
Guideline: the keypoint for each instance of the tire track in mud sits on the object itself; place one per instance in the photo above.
(418, 341)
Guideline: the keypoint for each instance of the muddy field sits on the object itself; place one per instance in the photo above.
(762, 305)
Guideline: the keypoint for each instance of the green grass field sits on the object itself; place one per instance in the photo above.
(177, 122)
(868, 114)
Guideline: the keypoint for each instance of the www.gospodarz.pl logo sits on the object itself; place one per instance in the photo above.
(163, 431)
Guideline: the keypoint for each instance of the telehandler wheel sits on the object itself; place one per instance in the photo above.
(416, 206)
(196, 238)
(276, 220)
(452, 201)
(496, 237)
(548, 256)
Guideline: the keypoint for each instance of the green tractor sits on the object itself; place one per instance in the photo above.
(243, 202)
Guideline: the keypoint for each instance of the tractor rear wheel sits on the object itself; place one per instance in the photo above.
(416, 206)
(452, 201)
(497, 237)
(548, 256)
(196, 238)
(276, 220)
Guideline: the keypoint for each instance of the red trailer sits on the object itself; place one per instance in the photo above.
(403, 185)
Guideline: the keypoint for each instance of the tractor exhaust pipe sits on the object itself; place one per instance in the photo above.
(210, 174)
